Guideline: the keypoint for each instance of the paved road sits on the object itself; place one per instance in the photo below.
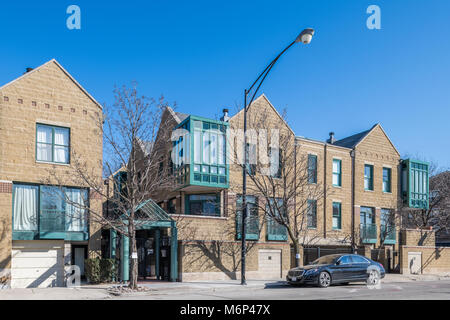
(281, 291)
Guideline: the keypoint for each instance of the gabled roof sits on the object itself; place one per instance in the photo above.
(63, 70)
(263, 96)
(352, 141)
(152, 211)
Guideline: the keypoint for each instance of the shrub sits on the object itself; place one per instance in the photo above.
(93, 270)
(107, 270)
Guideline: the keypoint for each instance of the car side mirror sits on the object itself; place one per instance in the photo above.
(338, 262)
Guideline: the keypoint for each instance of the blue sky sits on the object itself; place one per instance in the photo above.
(203, 54)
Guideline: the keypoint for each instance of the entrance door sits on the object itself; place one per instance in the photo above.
(79, 256)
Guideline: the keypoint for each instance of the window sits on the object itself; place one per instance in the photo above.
(337, 172)
(25, 207)
(209, 152)
(345, 260)
(368, 177)
(251, 158)
(312, 214)
(276, 231)
(336, 215)
(171, 208)
(49, 208)
(312, 168)
(366, 215)
(52, 144)
(203, 204)
(252, 222)
(386, 180)
(359, 259)
(276, 162)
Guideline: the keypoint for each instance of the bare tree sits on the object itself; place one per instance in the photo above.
(437, 215)
(134, 135)
(281, 180)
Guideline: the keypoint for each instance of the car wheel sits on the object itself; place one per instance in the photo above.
(324, 279)
(373, 278)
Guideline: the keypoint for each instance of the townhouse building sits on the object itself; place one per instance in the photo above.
(360, 176)
(46, 117)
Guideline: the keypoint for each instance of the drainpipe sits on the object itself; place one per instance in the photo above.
(352, 154)
(325, 192)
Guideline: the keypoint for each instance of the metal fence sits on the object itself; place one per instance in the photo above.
(312, 253)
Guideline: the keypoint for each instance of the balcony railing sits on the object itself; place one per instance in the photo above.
(387, 234)
(368, 233)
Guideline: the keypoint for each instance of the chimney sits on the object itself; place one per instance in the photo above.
(331, 140)
(225, 116)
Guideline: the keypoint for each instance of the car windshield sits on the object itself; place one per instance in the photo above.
(325, 260)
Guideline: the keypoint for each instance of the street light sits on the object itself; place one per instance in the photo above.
(304, 37)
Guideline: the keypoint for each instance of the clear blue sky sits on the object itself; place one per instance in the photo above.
(202, 54)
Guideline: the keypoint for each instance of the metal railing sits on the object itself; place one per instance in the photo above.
(387, 234)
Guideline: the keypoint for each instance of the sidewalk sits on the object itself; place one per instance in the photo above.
(103, 291)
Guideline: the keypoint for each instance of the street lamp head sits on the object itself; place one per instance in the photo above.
(305, 36)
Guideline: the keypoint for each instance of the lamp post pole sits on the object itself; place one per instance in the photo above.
(304, 37)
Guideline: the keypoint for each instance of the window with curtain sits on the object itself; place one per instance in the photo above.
(75, 209)
(337, 173)
(52, 144)
(336, 215)
(51, 208)
(312, 168)
(25, 207)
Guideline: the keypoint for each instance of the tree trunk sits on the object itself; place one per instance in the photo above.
(297, 253)
(133, 260)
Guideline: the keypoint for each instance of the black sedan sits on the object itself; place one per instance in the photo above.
(337, 268)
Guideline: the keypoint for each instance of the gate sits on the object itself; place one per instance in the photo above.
(312, 253)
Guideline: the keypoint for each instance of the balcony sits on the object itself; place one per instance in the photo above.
(415, 183)
(368, 233)
(388, 234)
(200, 154)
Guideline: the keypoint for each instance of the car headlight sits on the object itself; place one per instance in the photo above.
(310, 271)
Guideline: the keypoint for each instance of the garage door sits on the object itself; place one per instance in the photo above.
(269, 262)
(37, 264)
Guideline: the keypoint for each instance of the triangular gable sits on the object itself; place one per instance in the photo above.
(263, 96)
(63, 70)
(382, 130)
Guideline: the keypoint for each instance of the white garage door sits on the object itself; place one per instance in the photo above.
(269, 263)
(37, 263)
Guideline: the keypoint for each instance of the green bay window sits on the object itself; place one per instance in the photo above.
(368, 177)
(386, 179)
(337, 216)
(52, 144)
(252, 221)
(415, 183)
(337, 177)
(49, 212)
